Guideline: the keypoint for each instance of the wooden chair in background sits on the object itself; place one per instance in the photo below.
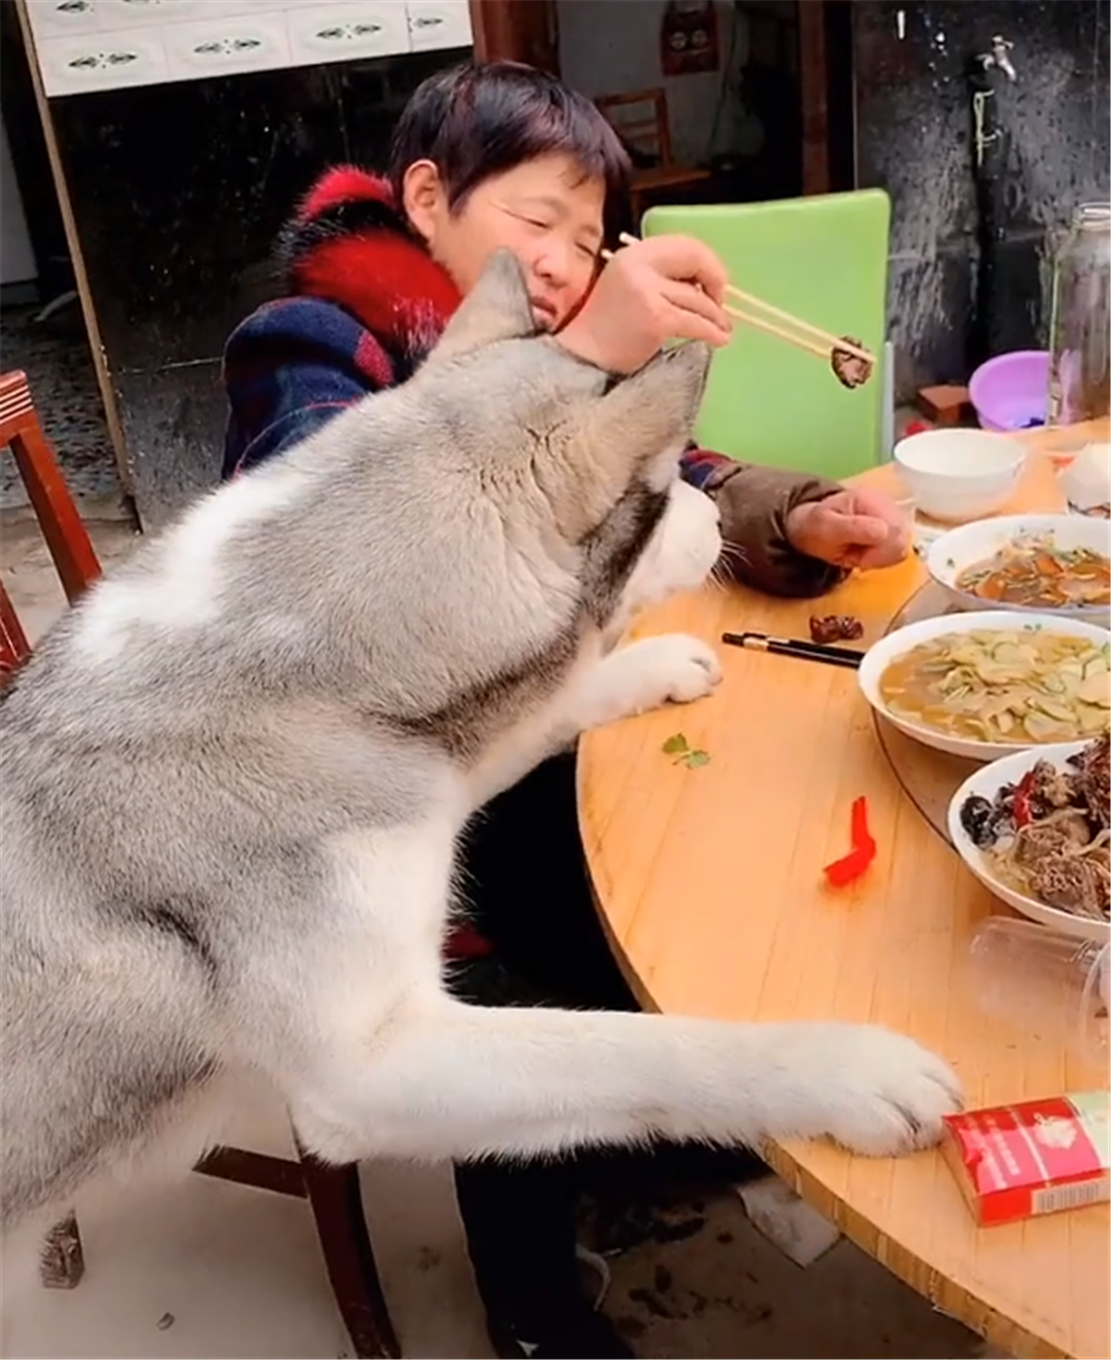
(333, 1193)
(640, 118)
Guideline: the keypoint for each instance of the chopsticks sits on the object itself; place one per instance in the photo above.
(796, 647)
(806, 336)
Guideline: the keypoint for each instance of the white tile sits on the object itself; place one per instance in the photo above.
(343, 32)
(422, 1260)
(102, 61)
(54, 18)
(439, 23)
(206, 1268)
(226, 45)
(128, 13)
(199, 1268)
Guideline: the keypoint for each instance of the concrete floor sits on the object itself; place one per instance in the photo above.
(207, 1269)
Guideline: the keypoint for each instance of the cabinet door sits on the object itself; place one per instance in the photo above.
(343, 32)
(438, 23)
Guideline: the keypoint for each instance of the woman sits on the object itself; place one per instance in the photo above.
(482, 158)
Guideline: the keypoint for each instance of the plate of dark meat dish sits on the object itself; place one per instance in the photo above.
(1034, 829)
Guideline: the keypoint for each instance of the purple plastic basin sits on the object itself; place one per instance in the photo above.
(1011, 391)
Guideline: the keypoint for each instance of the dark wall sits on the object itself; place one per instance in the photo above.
(178, 192)
(914, 138)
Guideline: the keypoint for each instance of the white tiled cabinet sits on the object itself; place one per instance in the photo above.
(85, 45)
(330, 32)
(438, 23)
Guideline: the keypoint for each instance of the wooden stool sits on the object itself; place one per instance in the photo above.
(333, 1193)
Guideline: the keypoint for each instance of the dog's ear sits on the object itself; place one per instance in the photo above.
(650, 415)
(635, 431)
(497, 308)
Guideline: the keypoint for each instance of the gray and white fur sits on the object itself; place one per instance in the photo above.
(234, 776)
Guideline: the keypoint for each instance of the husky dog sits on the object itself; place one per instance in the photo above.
(233, 778)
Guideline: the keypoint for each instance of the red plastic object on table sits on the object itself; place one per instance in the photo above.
(847, 870)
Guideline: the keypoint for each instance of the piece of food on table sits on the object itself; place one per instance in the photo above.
(1033, 1158)
(1021, 686)
(850, 369)
(1031, 571)
(835, 628)
(852, 866)
(1047, 836)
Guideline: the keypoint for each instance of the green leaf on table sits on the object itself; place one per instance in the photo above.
(676, 745)
(696, 758)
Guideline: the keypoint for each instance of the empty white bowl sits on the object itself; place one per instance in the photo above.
(958, 475)
(954, 552)
(881, 654)
(987, 782)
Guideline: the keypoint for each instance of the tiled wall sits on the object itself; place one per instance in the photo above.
(86, 45)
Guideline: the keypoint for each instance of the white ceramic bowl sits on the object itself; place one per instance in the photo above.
(881, 654)
(987, 782)
(958, 475)
(961, 548)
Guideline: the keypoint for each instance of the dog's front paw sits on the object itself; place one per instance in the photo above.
(673, 668)
(876, 1092)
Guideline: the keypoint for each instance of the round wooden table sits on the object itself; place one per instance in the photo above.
(710, 887)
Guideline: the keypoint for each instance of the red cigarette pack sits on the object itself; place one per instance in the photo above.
(1037, 1157)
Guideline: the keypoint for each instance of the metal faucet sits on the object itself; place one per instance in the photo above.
(999, 57)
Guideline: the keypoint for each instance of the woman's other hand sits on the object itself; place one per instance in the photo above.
(863, 529)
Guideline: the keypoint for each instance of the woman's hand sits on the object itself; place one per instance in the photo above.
(863, 529)
(664, 288)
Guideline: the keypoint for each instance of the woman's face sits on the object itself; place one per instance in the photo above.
(543, 210)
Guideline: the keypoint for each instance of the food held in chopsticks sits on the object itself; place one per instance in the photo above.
(1021, 686)
(1047, 836)
(1031, 570)
(849, 359)
(835, 628)
(849, 367)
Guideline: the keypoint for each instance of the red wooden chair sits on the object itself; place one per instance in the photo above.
(333, 1193)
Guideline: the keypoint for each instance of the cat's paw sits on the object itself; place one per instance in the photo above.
(875, 1092)
(673, 668)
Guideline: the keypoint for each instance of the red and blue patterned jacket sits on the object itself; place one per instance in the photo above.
(365, 305)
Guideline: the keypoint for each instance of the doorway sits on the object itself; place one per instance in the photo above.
(758, 93)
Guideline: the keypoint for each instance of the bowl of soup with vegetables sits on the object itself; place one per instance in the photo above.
(1035, 564)
(982, 685)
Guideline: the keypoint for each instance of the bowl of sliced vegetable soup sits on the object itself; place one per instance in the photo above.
(984, 685)
(1031, 564)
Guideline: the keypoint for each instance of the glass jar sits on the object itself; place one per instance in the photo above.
(1080, 319)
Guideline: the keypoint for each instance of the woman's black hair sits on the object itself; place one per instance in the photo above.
(474, 121)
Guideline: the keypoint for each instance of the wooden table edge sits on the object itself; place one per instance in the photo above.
(946, 1295)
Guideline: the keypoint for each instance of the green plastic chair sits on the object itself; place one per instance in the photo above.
(824, 260)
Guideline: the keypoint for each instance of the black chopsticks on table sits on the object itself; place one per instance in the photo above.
(805, 651)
